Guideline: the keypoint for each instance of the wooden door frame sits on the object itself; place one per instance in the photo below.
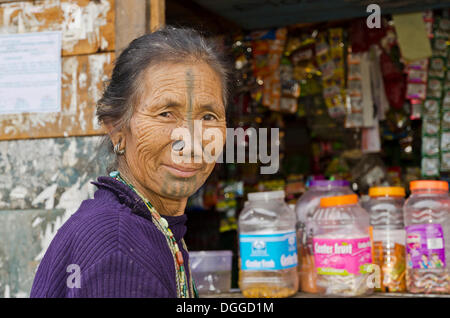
(135, 18)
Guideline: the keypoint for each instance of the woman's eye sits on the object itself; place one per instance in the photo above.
(165, 114)
(209, 117)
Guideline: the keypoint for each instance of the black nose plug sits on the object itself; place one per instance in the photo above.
(178, 145)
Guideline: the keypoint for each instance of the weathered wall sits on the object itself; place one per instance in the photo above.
(39, 173)
(87, 25)
(88, 44)
(43, 181)
(24, 234)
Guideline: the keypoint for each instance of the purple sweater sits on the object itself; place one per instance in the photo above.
(119, 251)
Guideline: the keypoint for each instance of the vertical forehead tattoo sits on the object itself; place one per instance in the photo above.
(190, 96)
(178, 145)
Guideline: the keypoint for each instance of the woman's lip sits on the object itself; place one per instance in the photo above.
(183, 172)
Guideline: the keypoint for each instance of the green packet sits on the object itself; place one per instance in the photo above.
(445, 141)
(431, 107)
(437, 67)
(430, 166)
(430, 145)
(445, 161)
(439, 46)
(446, 100)
(435, 87)
(431, 126)
(445, 120)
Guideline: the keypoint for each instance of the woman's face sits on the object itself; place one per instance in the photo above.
(186, 96)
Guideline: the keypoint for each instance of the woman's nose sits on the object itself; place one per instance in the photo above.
(192, 146)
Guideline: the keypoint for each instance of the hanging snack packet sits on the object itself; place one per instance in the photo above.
(430, 145)
(430, 126)
(326, 66)
(418, 65)
(440, 47)
(417, 76)
(430, 167)
(416, 109)
(331, 63)
(446, 100)
(445, 161)
(435, 86)
(415, 90)
(428, 19)
(441, 27)
(289, 86)
(417, 72)
(445, 119)
(431, 107)
(354, 100)
(445, 141)
(437, 67)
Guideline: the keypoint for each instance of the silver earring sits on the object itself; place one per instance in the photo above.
(117, 151)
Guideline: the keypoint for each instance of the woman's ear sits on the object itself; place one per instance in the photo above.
(115, 135)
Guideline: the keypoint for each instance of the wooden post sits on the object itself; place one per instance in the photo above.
(130, 22)
(157, 14)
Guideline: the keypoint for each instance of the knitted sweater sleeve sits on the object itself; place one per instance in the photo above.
(115, 275)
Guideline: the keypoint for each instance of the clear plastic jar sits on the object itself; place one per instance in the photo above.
(427, 221)
(304, 208)
(267, 246)
(342, 247)
(385, 209)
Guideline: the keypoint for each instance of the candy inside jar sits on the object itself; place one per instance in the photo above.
(426, 215)
(342, 247)
(386, 217)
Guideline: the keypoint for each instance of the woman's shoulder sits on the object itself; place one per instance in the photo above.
(93, 225)
(93, 239)
(102, 225)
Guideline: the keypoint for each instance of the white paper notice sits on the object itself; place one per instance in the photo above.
(30, 72)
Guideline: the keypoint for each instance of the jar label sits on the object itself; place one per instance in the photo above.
(342, 256)
(389, 237)
(425, 246)
(268, 251)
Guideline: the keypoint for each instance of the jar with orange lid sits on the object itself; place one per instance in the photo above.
(427, 224)
(385, 209)
(342, 247)
(304, 209)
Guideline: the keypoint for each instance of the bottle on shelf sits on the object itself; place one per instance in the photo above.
(427, 225)
(267, 246)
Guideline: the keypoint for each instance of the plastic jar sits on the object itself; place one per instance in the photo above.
(427, 221)
(211, 271)
(385, 209)
(342, 246)
(304, 208)
(267, 246)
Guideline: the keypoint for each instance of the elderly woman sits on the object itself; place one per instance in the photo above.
(128, 240)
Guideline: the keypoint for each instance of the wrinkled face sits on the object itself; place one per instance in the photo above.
(175, 96)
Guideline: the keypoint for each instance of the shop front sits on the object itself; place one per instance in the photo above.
(349, 103)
